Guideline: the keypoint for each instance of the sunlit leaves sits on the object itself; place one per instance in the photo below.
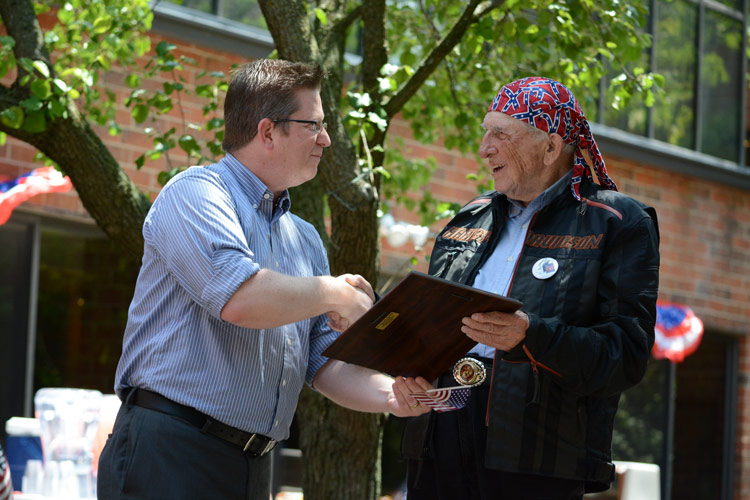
(91, 37)
(321, 16)
(140, 113)
(570, 41)
(41, 88)
(197, 142)
(12, 117)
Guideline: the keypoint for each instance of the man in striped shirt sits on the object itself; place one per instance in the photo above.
(229, 319)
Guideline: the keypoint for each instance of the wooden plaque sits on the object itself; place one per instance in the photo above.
(415, 329)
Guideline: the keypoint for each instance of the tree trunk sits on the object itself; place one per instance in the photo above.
(341, 450)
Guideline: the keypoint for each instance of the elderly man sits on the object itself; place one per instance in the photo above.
(583, 259)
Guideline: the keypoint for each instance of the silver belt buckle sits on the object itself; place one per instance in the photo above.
(249, 441)
(269, 445)
(469, 371)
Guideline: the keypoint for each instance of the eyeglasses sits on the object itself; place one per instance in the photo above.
(315, 126)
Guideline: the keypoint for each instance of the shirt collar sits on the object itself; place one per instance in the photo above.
(516, 208)
(254, 187)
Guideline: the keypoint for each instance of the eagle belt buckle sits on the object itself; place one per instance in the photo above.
(469, 371)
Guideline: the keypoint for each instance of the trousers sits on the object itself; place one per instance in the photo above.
(455, 470)
(151, 455)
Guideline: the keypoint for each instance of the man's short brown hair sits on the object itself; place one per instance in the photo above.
(264, 89)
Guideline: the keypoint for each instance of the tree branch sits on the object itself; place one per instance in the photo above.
(7, 99)
(375, 53)
(438, 54)
(345, 22)
(290, 29)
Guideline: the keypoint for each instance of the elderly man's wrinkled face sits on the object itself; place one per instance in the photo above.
(515, 154)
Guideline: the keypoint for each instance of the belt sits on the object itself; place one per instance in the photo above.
(256, 445)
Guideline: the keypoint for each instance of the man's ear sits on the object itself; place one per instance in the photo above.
(265, 132)
(555, 146)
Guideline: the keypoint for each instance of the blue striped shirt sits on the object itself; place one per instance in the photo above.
(209, 230)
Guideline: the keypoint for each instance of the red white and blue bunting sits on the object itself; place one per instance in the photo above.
(678, 332)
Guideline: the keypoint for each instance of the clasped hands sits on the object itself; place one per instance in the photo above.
(357, 299)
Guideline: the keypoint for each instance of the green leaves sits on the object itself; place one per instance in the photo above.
(35, 122)
(41, 89)
(199, 142)
(140, 113)
(91, 37)
(12, 117)
(321, 16)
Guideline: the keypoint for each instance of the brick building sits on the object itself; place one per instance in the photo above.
(65, 290)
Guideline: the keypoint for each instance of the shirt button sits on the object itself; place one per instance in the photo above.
(266, 196)
(277, 263)
(288, 341)
(276, 424)
(283, 383)
(510, 259)
(255, 205)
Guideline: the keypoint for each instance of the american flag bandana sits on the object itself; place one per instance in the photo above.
(550, 106)
(444, 399)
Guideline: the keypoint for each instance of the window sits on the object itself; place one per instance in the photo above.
(699, 47)
(15, 301)
(681, 417)
(85, 287)
(243, 11)
(64, 295)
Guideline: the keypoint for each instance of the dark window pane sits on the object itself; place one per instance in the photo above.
(734, 4)
(700, 415)
(85, 288)
(675, 58)
(721, 78)
(16, 253)
(243, 11)
(640, 421)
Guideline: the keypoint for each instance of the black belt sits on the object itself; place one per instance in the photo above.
(256, 445)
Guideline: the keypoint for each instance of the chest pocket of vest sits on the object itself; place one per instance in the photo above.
(570, 293)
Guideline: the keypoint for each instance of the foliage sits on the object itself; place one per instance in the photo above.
(152, 105)
(574, 42)
(90, 40)
(87, 38)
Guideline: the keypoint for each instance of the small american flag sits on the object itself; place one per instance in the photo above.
(6, 488)
(445, 398)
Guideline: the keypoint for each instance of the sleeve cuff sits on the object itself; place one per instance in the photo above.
(225, 282)
(320, 339)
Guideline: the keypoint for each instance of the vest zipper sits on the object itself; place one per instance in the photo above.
(510, 287)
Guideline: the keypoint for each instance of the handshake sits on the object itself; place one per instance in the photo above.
(354, 298)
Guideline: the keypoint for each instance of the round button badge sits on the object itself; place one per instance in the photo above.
(545, 268)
